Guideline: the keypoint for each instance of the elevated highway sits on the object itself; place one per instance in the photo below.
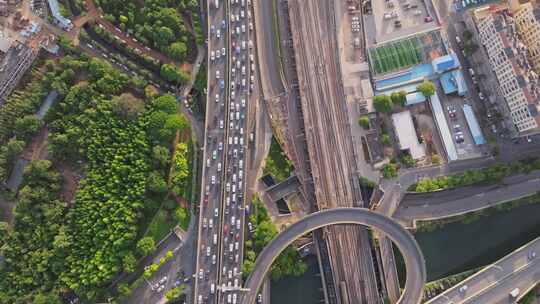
(494, 283)
(414, 259)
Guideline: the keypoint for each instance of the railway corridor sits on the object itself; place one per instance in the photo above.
(330, 147)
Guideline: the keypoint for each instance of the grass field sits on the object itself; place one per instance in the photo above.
(396, 55)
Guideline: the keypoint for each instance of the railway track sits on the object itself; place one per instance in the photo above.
(329, 146)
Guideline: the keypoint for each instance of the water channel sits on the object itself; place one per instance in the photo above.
(453, 249)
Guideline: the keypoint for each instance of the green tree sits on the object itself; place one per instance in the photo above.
(385, 140)
(163, 36)
(146, 245)
(173, 74)
(156, 183)
(123, 289)
(363, 121)
(178, 50)
(175, 293)
(175, 122)
(427, 88)
(382, 103)
(127, 106)
(129, 262)
(47, 298)
(14, 147)
(182, 216)
(399, 98)
(161, 157)
(166, 103)
(408, 161)
(390, 171)
(26, 126)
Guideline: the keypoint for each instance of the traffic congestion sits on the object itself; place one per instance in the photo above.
(230, 82)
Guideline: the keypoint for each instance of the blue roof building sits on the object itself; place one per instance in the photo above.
(445, 63)
(473, 125)
(414, 98)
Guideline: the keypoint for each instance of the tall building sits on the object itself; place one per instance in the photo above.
(527, 18)
(509, 58)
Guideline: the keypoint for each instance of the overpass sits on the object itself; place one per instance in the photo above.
(494, 283)
(414, 259)
(286, 187)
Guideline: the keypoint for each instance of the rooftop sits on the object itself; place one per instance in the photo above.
(406, 134)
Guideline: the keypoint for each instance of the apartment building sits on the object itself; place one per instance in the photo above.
(508, 57)
(527, 18)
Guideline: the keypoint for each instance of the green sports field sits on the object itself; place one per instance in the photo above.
(396, 55)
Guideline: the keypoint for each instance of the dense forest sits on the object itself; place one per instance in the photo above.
(170, 26)
(117, 136)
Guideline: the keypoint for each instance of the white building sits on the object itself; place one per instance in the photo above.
(406, 133)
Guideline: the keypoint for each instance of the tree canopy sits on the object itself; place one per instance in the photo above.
(382, 103)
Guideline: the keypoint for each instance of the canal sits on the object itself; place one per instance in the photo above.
(459, 246)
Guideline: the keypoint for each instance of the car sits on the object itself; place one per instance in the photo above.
(208, 162)
(160, 288)
(428, 19)
(214, 154)
(219, 167)
(208, 251)
(217, 98)
(250, 227)
(223, 51)
(205, 223)
(259, 298)
(221, 124)
(223, 24)
(218, 54)
(217, 74)
(210, 223)
(212, 29)
(457, 127)
(215, 238)
(216, 212)
(207, 189)
(532, 255)
(528, 138)
(201, 274)
(212, 56)
(220, 146)
(213, 179)
(218, 33)
(228, 187)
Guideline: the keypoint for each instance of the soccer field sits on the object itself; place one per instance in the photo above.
(396, 55)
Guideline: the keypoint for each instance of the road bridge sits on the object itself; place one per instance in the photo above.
(414, 259)
(494, 283)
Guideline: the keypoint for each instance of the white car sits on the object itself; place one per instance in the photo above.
(223, 51)
(218, 54)
(221, 124)
(219, 167)
(212, 55)
(220, 146)
(216, 212)
(217, 98)
(217, 75)
(213, 179)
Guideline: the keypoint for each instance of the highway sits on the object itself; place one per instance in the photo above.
(414, 260)
(241, 75)
(206, 271)
(494, 283)
(329, 145)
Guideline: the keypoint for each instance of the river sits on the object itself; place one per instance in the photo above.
(458, 246)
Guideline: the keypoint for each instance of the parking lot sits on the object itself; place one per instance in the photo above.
(461, 135)
(397, 18)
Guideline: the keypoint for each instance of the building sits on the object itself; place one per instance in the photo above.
(62, 21)
(508, 57)
(406, 133)
(527, 19)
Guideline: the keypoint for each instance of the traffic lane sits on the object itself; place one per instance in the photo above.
(487, 277)
(468, 204)
(524, 279)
